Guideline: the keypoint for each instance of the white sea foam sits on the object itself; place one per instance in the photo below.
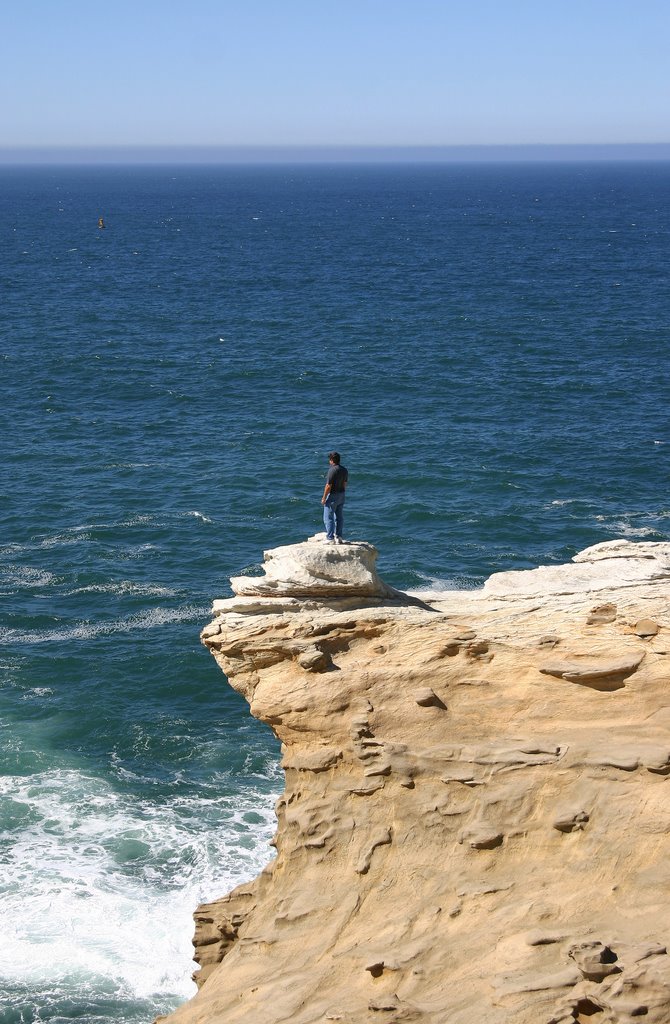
(627, 530)
(81, 534)
(139, 520)
(138, 550)
(26, 576)
(440, 585)
(10, 549)
(99, 884)
(124, 587)
(199, 515)
(150, 619)
(127, 465)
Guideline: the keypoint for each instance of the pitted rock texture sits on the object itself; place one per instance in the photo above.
(476, 814)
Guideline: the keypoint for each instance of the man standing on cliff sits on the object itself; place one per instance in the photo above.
(333, 498)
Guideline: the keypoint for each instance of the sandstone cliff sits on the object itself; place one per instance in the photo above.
(475, 823)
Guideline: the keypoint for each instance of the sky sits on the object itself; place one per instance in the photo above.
(389, 73)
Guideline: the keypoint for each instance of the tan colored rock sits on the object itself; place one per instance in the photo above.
(604, 674)
(594, 960)
(572, 820)
(646, 628)
(216, 928)
(505, 860)
(427, 698)
(315, 660)
(601, 613)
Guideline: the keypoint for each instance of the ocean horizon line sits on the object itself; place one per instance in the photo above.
(333, 154)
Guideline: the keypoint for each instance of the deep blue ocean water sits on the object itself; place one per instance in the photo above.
(485, 345)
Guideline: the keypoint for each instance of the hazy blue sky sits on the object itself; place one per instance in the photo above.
(362, 72)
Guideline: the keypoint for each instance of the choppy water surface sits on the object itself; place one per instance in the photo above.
(486, 346)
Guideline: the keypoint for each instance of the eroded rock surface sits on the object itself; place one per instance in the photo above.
(475, 821)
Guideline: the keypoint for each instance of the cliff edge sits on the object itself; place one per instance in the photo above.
(475, 821)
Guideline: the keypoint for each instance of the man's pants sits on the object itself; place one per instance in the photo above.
(333, 515)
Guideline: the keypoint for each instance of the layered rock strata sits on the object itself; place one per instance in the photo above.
(476, 814)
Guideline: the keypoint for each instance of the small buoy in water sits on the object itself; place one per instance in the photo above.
(101, 222)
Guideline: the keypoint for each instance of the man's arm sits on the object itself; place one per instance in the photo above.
(326, 492)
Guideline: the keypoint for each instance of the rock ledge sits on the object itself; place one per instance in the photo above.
(475, 820)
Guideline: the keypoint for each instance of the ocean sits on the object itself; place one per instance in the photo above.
(487, 347)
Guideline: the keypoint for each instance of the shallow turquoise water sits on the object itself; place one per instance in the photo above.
(486, 346)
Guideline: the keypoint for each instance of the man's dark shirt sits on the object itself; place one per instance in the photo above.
(337, 478)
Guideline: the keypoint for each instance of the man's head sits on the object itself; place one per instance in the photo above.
(334, 457)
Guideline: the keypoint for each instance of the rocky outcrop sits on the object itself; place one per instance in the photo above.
(475, 821)
(317, 569)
